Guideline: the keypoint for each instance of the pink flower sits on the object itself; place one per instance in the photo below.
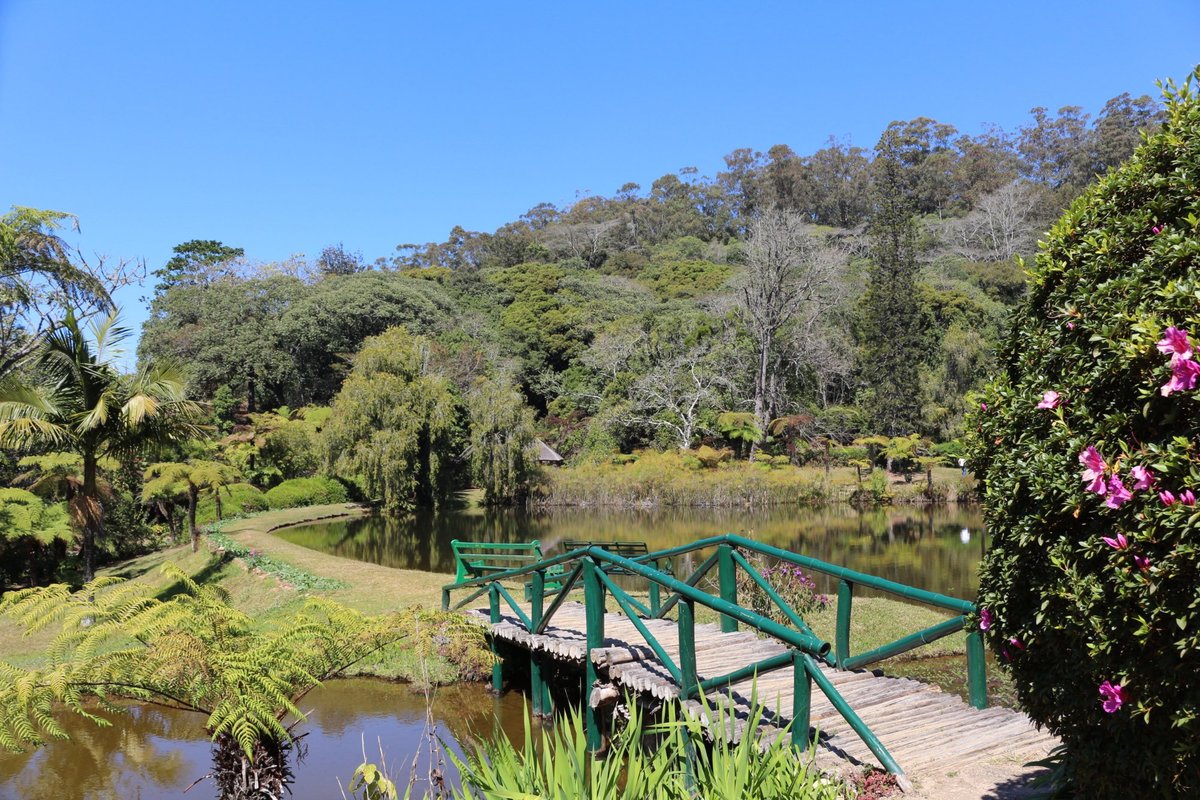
(985, 619)
(1157, 229)
(1114, 696)
(1187, 498)
(1175, 342)
(983, 406)
(1142, 563)
(1050, 399)
(1184, 374)
(1119, 543)
(1016, 647)
(1118, 495)
(1094, 474)
(1167, 498)
(1070, 326)
(1142, 477)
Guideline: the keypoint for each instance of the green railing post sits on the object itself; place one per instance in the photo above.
(801, 700)
(445, 599)
(841, 642)
(976, 670)
(688, 679)
(494, 616)
(593, 603)
(727, 572)
(655, 597)
(537, 602)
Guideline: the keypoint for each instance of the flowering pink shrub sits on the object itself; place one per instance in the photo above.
(1089, 460)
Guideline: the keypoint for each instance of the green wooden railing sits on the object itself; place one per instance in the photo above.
(806, 651)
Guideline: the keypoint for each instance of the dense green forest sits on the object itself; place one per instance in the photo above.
(846, 291)
(779, 311)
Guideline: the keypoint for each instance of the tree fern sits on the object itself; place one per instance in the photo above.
(116, 641)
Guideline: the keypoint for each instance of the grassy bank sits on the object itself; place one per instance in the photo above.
(681, 479)
(266, 598)
(269, 596)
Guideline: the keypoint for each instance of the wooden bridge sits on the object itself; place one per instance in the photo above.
(858, 716)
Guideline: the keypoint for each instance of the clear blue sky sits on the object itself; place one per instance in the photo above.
(284, 127)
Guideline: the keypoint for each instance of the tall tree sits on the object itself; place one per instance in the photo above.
(37, 276)
(892, 353)
(82, 403)
(337, 260)
(396, 425)
(503, 444)
(195, 261)
(789, 273)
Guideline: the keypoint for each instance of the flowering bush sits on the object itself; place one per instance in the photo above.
(792, 584)
(1088, 449)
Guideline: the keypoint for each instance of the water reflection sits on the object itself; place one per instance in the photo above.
(931, 548)
(155, 754)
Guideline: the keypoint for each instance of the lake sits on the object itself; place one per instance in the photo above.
(934, 548)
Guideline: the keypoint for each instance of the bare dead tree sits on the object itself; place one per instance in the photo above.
(1001, 225)
(789, 278)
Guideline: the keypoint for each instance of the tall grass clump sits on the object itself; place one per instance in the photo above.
(672, 760)
(679, 478)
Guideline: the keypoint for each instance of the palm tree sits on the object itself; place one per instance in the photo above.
(80, 402)
(174, 478)
(37, 272)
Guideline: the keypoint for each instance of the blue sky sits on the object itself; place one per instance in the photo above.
(284, 127)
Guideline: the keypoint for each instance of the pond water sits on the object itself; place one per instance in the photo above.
(934, 548)
(153, 753)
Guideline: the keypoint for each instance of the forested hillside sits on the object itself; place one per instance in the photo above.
(789, 299)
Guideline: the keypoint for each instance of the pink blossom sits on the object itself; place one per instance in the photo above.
(1175, 342)
(1168, 499)
(1119, 543)
(1070, 326)
(1141, 562)
(1050, 399)
(983, 406)
(1157, 229)
(1094, 474)
(1142, 477)
(1187, 498)
(1017, 646)
(1118, 495)
(1114, 696)
(985, 619)
(1184, 374)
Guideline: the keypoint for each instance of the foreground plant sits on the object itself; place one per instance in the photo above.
(676, 759)
(1087, 449)
(194, 652)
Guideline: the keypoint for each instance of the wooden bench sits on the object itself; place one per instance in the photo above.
(623, 549)
(482, 559)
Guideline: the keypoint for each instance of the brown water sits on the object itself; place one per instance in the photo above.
(931, 548)
(152, 753)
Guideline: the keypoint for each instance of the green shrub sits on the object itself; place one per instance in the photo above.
(237, 499)
(306, 492)
(1091, 582)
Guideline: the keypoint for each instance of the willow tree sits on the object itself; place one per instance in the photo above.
(503, 446)
(396, 426)
(80, 402)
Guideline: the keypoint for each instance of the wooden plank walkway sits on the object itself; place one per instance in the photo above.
(933, 735)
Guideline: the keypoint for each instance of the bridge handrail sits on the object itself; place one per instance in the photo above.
(594, 561)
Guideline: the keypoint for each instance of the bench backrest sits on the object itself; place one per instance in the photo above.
(625, 549)
(480, 559)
